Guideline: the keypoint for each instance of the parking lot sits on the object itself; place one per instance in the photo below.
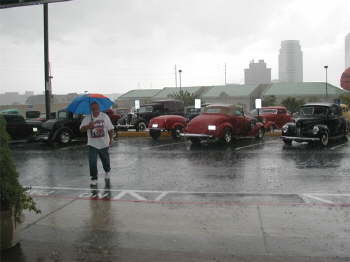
(254, 200)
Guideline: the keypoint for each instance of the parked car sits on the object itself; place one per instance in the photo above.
(113, 115)
(346, 115)
(167, 123)
(18, 128)
(62, 129)
(223, 122)
(273, 116)
(316, 122)
(141, 118)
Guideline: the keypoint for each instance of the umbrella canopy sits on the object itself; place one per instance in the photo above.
(81, 104)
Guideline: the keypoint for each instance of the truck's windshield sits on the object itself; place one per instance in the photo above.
(313, 110)
(146, 109)
(62, 115)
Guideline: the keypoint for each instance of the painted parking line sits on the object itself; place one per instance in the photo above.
(314, 197)
(254, 145)
(187, 197)
(163, 145)
(338, 146)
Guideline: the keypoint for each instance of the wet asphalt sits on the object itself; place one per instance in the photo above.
(253, 166)
(171, 201)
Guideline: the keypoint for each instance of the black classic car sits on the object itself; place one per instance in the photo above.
(19, 129)
(62, 129)
(141, 118)
(316, 123)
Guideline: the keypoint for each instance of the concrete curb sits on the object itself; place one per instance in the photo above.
(167, 134)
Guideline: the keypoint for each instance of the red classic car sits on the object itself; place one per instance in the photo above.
(173, 123)
(273, 116)
(223, 122)
(113, 115)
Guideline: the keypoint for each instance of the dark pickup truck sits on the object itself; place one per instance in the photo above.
(66, 127)
(62, 129)
(141, 118)
(20, 129)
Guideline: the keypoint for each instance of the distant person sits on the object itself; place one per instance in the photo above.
(99, 130)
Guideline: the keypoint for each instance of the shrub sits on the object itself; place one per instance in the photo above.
(12, 194)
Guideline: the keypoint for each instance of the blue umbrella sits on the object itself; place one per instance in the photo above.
(81, 104)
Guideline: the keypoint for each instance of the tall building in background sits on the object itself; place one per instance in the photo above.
(347, 51)
(290, 62)
(257, 73)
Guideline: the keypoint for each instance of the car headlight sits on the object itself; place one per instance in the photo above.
(211, 128)
(154, 125)
(284, 128)
(315, 130)
(35, 129)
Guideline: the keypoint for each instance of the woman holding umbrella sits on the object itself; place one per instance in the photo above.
(99, 130)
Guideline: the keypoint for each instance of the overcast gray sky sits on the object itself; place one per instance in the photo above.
(113, 46)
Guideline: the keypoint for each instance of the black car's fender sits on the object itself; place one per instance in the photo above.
(322, 128)
(58, 131)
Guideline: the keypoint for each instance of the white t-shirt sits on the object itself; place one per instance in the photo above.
(98, 137)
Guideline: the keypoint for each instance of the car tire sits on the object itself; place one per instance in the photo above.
(64, 137)
(141, 126)
(175, 133)
(324, 139)
(155, 134)
(195, 141)
(228, 137)
(287, 142)
(260, 134)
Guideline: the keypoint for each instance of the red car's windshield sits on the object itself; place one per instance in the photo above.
(216, 110)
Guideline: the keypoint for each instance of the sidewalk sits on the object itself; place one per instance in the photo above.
(102, 230)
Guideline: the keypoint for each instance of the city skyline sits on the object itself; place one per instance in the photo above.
(347, 51)
(120, 47)
(290, 62)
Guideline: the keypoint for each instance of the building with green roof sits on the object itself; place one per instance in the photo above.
(145, 96)
(166, 92)
(232, 94)
(309, 91)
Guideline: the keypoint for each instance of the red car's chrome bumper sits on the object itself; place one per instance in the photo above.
(196, 135)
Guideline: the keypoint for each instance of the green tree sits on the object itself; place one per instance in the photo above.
(292, 103)
(12, 194)
(345, 99)
(269, 101)
(185, 96)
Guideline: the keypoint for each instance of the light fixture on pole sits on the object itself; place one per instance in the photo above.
(180, 71)
(326, 68)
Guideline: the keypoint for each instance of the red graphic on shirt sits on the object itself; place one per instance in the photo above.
(99, 129)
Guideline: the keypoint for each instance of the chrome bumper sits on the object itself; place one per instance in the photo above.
(41, 138)
(196, 135)
(156, 129)
(296, 138)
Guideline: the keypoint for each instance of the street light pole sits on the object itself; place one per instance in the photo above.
(46, 61)
(225, 75)
(180, 71)
(326, 68)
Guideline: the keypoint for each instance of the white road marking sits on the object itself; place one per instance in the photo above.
(163, 145)
(132, 193)
(45, 191)
(338, 146)
(161, 196)
(318, 199)
(253, 145)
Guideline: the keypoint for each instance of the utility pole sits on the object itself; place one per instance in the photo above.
(326, 68)
(225, 75)
(46, 61)
(175, 76)
(180, 71)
